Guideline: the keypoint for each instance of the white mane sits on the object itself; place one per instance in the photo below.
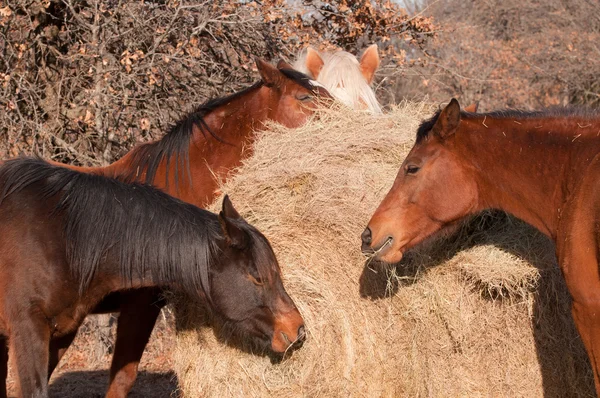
(342, 77)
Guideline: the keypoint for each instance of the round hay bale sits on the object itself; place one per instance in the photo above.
(483, 312)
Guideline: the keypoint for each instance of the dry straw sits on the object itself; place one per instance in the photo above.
(481, 313)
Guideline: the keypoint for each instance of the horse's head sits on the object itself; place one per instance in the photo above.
(433, 190)
(247, 293)
(291, 95)
(347, 79)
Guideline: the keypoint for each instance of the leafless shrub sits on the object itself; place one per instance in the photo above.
(527, 54)
(81, 81)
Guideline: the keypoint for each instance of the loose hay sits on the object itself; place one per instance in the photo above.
(482, 313)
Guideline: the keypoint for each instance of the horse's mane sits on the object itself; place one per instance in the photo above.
(174, 146)
(559, 111)
(342, 77)
(143, 231)
(426, 126)
(299, 78)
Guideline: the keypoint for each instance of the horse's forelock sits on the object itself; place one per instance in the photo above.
(342, 77)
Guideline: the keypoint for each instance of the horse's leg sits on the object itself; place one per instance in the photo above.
(577, 246)
(58, 347)
(139, 312)
(29, 340)
(587, 319)
(3, 366)
(585, 293)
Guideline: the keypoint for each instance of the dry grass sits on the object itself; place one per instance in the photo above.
(481, 313)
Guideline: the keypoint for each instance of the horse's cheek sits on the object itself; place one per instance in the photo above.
(461, 196)
(442, 200)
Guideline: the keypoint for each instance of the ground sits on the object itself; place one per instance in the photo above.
(84, 373)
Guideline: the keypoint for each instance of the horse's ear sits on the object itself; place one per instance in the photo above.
(270, 75)
(228, 210)
(234, 235)
(314, 62)
(369, 62)
(472, 108)
(283, 65)
(448, 120)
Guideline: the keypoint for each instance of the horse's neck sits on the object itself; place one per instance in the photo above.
(528, 167)
(236, 121)
(213, 151)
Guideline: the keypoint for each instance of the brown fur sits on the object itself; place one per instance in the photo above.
(369, 62)
(314, 62)
(69, 239)
(542, 167)
(211, 160)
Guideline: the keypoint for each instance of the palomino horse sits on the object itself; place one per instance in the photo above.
(347, 79)
(189, 163)
(542, 167)
(70, 238)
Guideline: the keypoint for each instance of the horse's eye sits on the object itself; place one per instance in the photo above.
(412, 169)
(257, 280)
(304, 97)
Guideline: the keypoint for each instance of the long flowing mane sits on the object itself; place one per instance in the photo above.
(145, 232)
(563, 112)
(174, 146)
(342, 77)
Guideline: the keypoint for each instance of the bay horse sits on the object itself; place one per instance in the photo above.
(189, 162)
(69, 238)
(347, 79)
(542, 167)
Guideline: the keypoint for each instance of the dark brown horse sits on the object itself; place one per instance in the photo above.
(542, 167)
(68, 239)
(189, 163)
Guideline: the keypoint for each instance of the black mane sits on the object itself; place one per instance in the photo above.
(299, 77)
(426, 126)
(174, 146)
(146, 232)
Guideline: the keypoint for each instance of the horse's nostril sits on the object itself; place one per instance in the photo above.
(286, 338)
(301, 333)
(366, 236)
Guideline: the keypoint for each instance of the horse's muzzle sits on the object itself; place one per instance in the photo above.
(289, 332)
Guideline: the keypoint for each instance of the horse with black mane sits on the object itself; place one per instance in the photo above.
(190, 162)
(542, 167)
(68, 239)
